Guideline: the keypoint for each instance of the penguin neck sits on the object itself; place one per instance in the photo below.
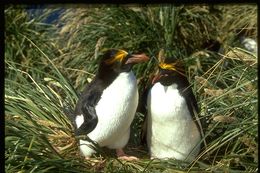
(106, 75)
(177, 82)
(183, 86)
(106, 78)
(181, 82)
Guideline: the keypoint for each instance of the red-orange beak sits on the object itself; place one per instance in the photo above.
(137, 58)
(157, 77)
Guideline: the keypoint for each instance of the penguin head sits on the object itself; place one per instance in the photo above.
(169, 71)
(118, 60)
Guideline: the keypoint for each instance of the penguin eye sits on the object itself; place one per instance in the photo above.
(161, 69)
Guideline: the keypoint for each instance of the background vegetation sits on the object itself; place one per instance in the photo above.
(48, 64)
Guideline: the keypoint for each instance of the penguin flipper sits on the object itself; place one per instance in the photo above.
(90, 120)
(194, 109)
(142, 108)
(87, 109)
(144, 131)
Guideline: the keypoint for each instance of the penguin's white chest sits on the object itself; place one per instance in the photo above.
(171, 132)
(115, 110)
(166, 103)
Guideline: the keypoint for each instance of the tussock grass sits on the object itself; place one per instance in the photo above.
(47, 65)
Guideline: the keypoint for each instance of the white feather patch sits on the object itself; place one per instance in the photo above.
(79, 120)
(171, 132)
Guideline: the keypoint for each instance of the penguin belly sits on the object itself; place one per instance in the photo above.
(115, 110)
(171, 132)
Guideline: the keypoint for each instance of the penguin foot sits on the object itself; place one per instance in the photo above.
(87, 158)
(121, 155)
(128, 158)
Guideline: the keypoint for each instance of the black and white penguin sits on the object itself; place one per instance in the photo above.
(172, 131)
(107, 106)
